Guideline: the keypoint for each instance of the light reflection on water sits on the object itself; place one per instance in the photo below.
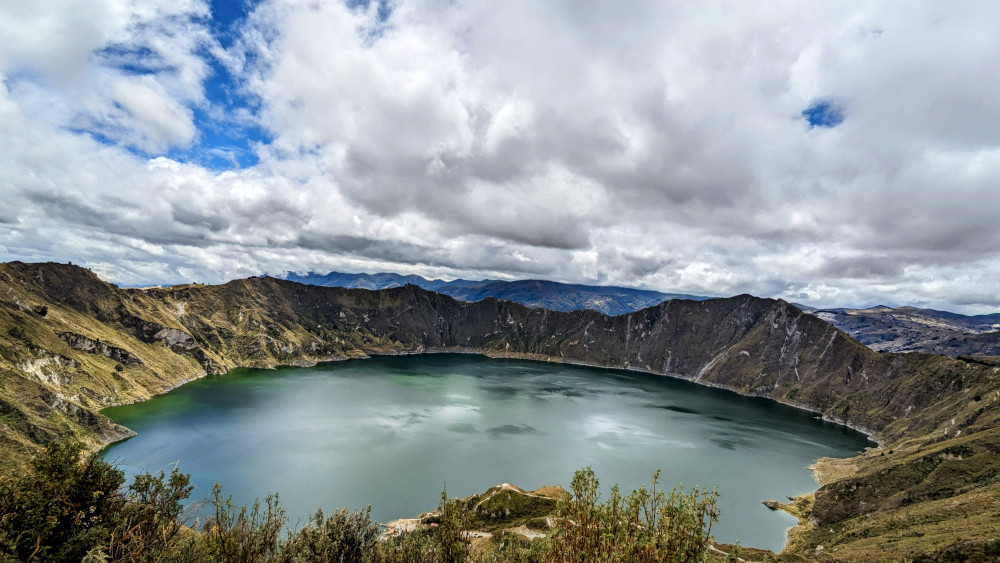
(392, 431)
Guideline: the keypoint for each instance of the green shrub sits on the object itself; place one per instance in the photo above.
(419, 545)
(150, 519)
(648, 525)
(341, 537)
(60, 509)
(540, 523)
(239, 534)
(450, 533)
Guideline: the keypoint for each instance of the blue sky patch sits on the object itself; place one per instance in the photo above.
(226, 15)
(384, 7)
(228, 129)
(823, 113)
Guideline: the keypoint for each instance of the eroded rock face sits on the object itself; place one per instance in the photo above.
(103, 428)
(155, 333)
(85, 344)
(175, 339)
(53, 369)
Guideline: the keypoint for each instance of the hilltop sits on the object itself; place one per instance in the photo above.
(542, 294)
(71, 344)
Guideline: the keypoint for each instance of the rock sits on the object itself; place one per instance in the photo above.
(85, 344)
(772, 504)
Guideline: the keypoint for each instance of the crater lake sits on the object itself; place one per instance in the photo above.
(391, 432)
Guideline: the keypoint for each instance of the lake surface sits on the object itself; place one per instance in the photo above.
(393, 431)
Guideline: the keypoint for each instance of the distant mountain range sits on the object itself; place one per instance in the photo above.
(909, 329)
(899, 329)
(531, 293)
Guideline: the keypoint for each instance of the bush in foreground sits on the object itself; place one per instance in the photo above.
(65, 508)
(648, 525)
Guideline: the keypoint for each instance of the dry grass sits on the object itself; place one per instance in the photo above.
(830, 469)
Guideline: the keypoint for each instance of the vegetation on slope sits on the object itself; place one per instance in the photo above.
(901, 504)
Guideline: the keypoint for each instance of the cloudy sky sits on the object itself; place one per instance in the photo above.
(831, 153)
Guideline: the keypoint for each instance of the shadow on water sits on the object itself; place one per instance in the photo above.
(673, 408)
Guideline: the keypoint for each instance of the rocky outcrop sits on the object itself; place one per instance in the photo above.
(147, 331)
(81, 342)
(50, 368)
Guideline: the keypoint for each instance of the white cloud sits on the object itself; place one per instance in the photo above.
(657, 144)
(151, 119)
(125, 70)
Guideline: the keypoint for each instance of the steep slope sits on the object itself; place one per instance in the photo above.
(60, 358)
(71, 344)
(533, 293)
(900, 503)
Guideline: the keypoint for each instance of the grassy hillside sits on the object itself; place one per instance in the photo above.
(71, 344)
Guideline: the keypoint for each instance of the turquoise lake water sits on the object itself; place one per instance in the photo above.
(393, 431)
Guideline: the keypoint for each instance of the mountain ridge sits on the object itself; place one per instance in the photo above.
(883, 328)
(557, 296)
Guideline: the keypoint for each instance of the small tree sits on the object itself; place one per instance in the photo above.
(151, 520)
(451, 531)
